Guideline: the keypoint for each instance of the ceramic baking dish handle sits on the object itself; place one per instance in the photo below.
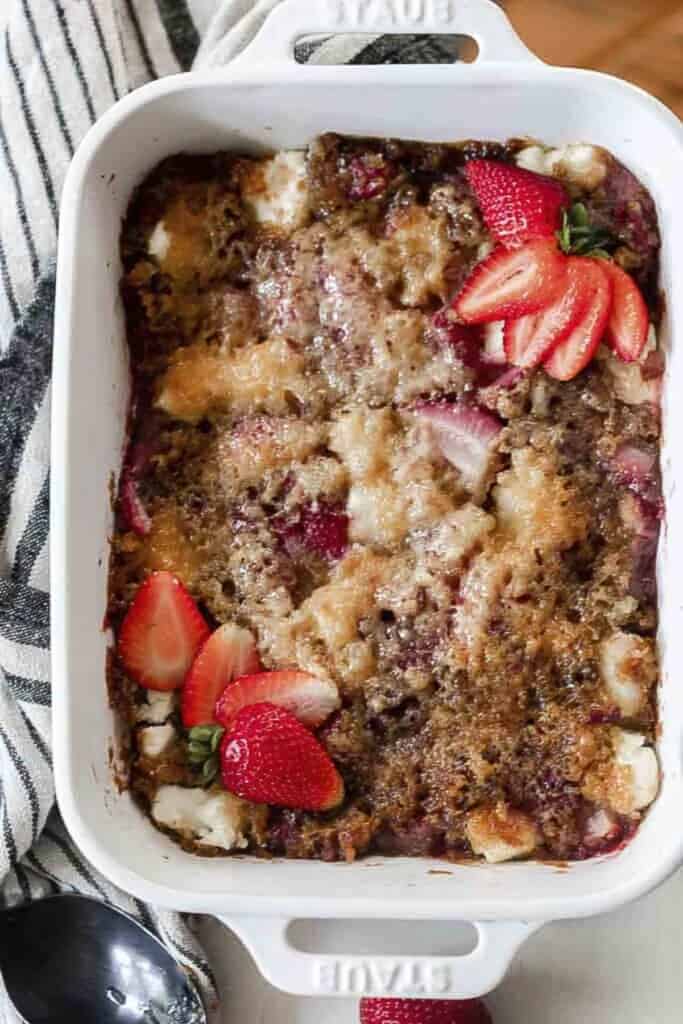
(483, 20)
(437, 977)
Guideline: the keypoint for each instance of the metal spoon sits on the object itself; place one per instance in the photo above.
(72, 958)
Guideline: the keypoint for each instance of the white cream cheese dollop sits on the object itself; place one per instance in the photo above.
(501, 833)
(275, 190)
(154, 740)
(578, 163)
(210, 818)
(640, 764)
(628, 669)
(159, 242)
(158, 705)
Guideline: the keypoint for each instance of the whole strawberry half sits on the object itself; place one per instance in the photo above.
(161, 633)
(269, 757)
(517, 205)
(229, 652)
(512, 283)
(423, 1011)
(310, 699)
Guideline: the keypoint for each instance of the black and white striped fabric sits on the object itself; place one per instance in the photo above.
(62, 63)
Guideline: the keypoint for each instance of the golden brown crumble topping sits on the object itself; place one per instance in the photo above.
(491, 632)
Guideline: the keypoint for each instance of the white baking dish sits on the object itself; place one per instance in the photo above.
(263, 101)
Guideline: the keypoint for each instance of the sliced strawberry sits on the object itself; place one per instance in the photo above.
(321, 529)
(490, 395)
(161, 633)
(641, 517)
(269, 757)
(325, 531)
(629, 320)
(530, 339)
(637, 468)
(134, 513)
(517, 204)
(512, 283)
(466, 437)
(470, 345)
(312, 700)
(131, 506)
(424, 1011)
(644, 519)
(369, 175)
(464, 340)
(228, 653)
(507, 379)
(577, 349)
(643, 582)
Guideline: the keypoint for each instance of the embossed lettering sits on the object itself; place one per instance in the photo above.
(383, 976)
(366, 13)
(354, 977)
(440, 978)
(326, 975)
(410, 979)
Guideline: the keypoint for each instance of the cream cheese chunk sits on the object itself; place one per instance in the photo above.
(159, 704)
(275, 190)
(578, 163)
(153, 740)
(628, 668)
(159, 242)
(501, 833)
(641, 768)
(211, 818)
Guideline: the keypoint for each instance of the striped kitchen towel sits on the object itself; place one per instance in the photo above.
(62, 63)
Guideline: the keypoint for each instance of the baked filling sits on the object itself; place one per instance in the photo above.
(408, 542)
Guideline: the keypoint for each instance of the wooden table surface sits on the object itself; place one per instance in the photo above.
(640, 40)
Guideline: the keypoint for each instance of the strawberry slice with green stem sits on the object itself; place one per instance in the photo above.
(517, 205)
(577, 349)
(229, 652)
(269, 757)
(512, 283)
(309, 698)
(161, 633)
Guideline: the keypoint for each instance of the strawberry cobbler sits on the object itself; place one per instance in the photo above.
(383, 572)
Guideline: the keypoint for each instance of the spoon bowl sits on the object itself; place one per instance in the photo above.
(69, 957)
